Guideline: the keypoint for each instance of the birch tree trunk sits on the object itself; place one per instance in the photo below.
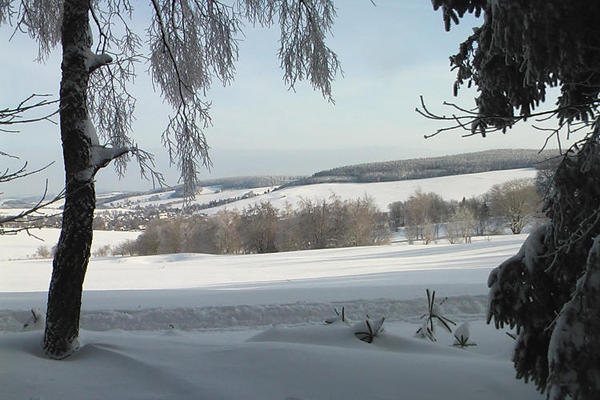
(73, 250)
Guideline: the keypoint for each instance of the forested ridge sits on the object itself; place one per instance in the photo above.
(418, 168)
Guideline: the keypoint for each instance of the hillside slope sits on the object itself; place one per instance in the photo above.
(383, 193)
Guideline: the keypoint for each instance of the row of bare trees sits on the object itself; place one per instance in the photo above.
(261, 228)
(427, 216)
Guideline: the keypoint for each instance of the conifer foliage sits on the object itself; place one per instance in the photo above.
(550, 290)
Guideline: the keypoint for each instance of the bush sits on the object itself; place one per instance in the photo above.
(102, 251)
(261, 228)
(516, 200)
(42, 252)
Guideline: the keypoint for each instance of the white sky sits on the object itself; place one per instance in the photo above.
(390, 54)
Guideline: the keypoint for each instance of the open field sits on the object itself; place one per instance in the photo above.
(195, 326)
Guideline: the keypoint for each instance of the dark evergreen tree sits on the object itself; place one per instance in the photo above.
(550, 290)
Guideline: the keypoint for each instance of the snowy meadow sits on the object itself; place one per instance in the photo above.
(194, 326)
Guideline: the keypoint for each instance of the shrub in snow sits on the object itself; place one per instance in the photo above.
(462, 335)
(368, 329)
(433, 316)
(340, 316)
(42, 252)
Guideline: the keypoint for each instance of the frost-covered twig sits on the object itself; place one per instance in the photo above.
(433, 315)
(21, 113)
(340, 316)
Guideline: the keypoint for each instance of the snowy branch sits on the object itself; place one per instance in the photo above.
(95, 61)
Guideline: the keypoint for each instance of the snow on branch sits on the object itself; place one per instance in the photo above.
(5, 11)
(303, 52)
(94, 61)
(101, 156)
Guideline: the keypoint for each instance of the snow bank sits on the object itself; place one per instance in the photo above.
(193, 326)
(314, 362)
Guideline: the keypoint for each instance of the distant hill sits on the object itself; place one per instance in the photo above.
(419, 168)
(388, 171)
(242, 182)
(176, 192)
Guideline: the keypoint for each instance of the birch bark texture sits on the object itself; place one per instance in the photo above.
(73, 250)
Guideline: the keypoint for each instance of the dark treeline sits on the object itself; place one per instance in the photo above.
(263, 229)
(419, 168)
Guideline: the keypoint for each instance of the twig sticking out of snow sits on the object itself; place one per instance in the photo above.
(368, 330)
(339, 317)
(36, 321)
(462, 335)
(433, 314)
(365, 330)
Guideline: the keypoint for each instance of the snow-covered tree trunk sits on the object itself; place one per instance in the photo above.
(73, 250)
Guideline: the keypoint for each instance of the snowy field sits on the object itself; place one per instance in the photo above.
(453, 187)
(194, 326)
(23, 244)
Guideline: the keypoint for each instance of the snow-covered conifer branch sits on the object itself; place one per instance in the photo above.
(573, 355)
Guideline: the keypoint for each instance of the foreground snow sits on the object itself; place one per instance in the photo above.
(308, 362)
(195, 326)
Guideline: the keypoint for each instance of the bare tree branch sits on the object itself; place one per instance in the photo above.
(20, 218)
(35, 102)
(471, 121)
